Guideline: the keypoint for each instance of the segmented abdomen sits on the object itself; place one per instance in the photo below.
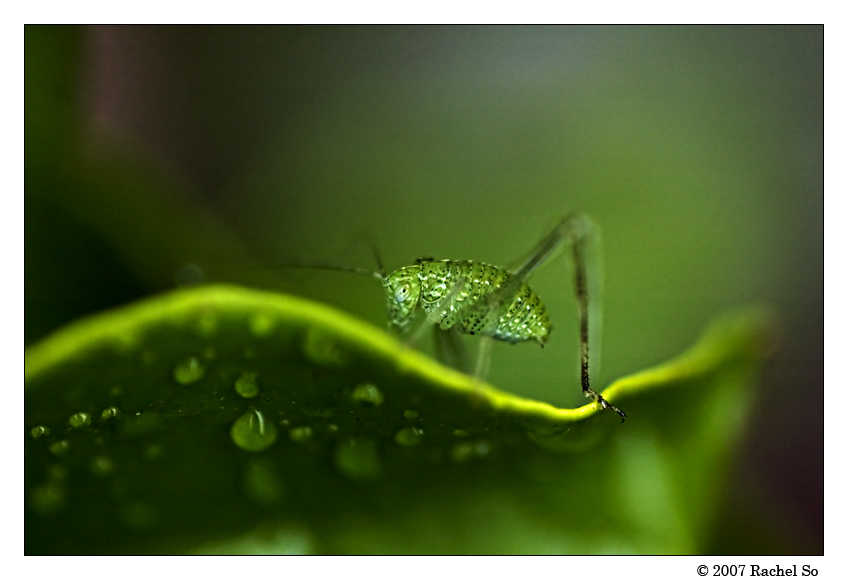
(478, 307)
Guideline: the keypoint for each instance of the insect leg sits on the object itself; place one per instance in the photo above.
(450, 350)
(583, 237)
(482, 363)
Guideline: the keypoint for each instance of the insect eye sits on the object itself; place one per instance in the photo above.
(402, 292)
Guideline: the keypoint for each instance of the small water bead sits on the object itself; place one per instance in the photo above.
(481, 449)
(322, 348)
(139, 515)
(461, 453)
(332, 428)
(459, 433)
(101, 466)
(252, 432)
(189, 371)
(40, 431)
(80, 420)
(153, 452)
(409, 436)
(301, 434)
(367, 394)
(60, 447)
(261, 324)
(357, 459)
(111, 412)
(207, 324)
(466, 451)
(246, 385)
(261, 483)
(410, 414)
(47, 499)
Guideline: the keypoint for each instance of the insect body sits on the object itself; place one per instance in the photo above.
(457, 292)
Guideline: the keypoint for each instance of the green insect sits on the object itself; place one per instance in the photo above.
(487, 301)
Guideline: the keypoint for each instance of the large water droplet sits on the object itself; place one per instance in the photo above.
(261, 482)
(189, 370)
(409, 436)
(101, 466)
(367, 394)
(80, 420)
(322, 348)
(40, 431)
(410, 414)
(246, 385)
(60, 447)
(358, 459)
(253, 432)
(301, 434)
(111, 412)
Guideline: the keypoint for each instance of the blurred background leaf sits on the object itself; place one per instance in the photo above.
(156, 155)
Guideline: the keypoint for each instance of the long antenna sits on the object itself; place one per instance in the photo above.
(313, 264)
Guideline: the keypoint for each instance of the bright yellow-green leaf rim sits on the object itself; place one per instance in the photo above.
(743, 334)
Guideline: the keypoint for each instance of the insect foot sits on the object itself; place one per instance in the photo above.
(605, 404)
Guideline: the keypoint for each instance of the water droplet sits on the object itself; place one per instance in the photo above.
(284, 422)
(207, 324)
(153, 452)
(409, 436)
(246, 385)
(47, 499)
(481, 449)
(252, 432)
(322, 348)
(332, 428)
(188, 371)
(148, 357)
(358, 459)
(60, 447)
(461, 453)
(40, 431)
(459, 433)
(138, 515)
(261, 483)
(301, 434)
(80, 420)
(101, 466)
(57, 473)
(410, 414)
(111, 412)
(367, 394)
(261, 324)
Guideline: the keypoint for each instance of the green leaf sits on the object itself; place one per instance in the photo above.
(227, 420)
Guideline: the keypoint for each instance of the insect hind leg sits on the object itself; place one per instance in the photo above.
(583, 238)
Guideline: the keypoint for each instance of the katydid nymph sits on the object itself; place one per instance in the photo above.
(491, 302)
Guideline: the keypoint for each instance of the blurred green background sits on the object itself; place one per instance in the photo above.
(158, 156)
